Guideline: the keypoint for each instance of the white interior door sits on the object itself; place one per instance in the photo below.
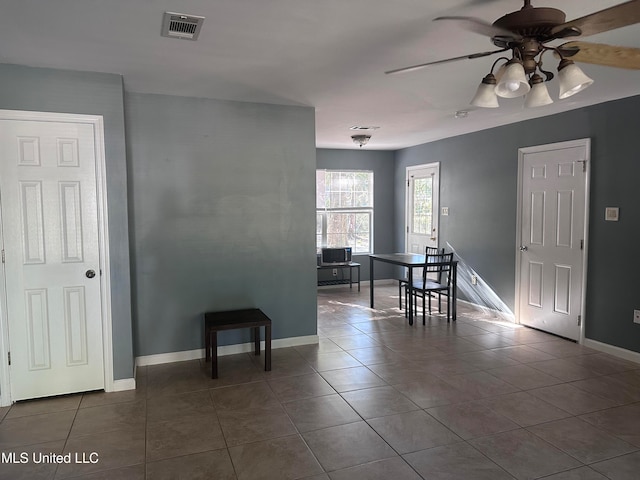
(423, 190)
(51, 251)
(553, 224)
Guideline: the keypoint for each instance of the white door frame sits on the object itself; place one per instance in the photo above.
(103, 244)
(586, 143)
(436, 211)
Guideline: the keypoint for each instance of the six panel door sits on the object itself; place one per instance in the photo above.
(50, 232)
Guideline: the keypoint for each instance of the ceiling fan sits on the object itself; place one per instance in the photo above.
(527, 33)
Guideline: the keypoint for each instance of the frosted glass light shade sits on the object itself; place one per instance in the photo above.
(485, 96)
(538, 95)
(571, 78)
(513, 82)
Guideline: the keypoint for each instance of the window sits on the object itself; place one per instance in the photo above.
(344, 210)
(422, 205)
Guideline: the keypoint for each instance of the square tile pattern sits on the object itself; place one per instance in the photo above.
(374, 399)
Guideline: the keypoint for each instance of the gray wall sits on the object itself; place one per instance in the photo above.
(48, 90)
(479, 185)
(382, 165)
(222, 217)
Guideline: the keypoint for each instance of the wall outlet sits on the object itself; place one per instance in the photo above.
(636, 316)
(335, 272)
(474, 279)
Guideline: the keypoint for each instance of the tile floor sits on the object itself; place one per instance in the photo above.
(375, 399)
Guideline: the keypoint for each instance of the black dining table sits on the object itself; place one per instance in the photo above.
(411, 261)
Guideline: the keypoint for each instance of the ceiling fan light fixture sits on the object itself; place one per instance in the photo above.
(571, 78)
(361, 140)
(485, 96)
(538, 96)
(526, 34)
(513, 82)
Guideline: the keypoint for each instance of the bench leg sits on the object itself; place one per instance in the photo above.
(256, 340)
(207, 345)
(213, 340)
(267, 348)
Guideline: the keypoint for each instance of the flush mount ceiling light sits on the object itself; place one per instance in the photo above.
(361, 140)
(525, 33)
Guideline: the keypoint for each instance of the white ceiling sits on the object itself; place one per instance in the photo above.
(328, 54)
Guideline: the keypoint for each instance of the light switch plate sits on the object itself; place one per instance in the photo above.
(445, 211)
(611, 214)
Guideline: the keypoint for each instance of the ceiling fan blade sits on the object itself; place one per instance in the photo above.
(601, 54)
(446, 60)
(611, 18)
(477, 25)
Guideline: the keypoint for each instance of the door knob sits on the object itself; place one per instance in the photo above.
(523, 248)
(90, 273)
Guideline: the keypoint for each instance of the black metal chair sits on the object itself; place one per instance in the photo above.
(440, 266)
(402, 282)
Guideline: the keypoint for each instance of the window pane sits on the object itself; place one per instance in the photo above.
(319, 217)
(320, 189)
(422, 205)
(344, 189)
(351, 229)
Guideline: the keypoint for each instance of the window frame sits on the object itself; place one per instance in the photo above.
(322, 213)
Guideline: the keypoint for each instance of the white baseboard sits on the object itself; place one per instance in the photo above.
(601, 347)
(363, 283)
(509, 317)
(613, 350)
(223, 350)
(124, 384)
(382, 281)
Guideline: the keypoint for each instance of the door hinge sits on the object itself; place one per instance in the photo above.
(9, 355)
(407, 228)
(579, 320)
(2, 256)
(582, 244)
(584, 165)
(408, 182)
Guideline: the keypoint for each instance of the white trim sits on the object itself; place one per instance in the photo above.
(508, 317)
(436, 204)
(363, 283)
(105, 268)
(583, 142)
(96, 121)
(222, 351)
(170, 357)
(124, 384)
(5, 380)
(382, 281)
(612, 350)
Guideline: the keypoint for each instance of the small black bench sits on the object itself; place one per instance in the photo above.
(350, 266)
(230, 320)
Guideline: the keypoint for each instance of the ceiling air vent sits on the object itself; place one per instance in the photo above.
(179, 25)
(363, 128)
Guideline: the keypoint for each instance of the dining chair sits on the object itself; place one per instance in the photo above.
(402, 282)
(436, 280)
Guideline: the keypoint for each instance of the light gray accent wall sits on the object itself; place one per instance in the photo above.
(479, 185)
(382, 165)
(222, 217)
(49, 90)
